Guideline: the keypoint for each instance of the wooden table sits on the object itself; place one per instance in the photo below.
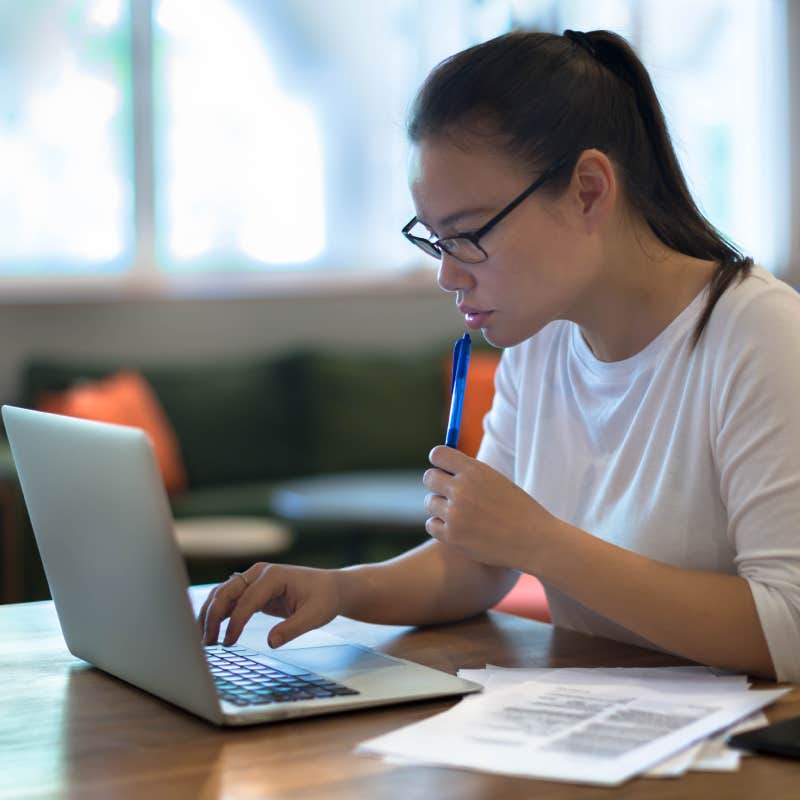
(67, 730)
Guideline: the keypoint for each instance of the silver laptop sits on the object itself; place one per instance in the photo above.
(104, 530)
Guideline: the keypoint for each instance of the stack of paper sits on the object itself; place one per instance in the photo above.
(600, 726)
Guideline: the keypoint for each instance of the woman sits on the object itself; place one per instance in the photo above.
(642, 456)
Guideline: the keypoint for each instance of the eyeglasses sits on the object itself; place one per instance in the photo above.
(465, 246)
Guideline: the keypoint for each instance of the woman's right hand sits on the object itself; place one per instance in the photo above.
(307, 598)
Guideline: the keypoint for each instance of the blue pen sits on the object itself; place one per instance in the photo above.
(458, 385)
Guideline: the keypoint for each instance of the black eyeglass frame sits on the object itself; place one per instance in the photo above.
(433, 247)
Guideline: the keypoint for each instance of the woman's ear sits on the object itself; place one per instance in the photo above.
(592, 190)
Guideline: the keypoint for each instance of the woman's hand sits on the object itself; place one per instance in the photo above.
(480, 511)
(307, 598)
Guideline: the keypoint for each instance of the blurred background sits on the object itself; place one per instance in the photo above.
(208, 194)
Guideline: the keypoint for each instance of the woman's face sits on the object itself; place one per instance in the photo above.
(538, 267)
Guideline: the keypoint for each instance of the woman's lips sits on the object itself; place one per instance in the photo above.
(476, 319)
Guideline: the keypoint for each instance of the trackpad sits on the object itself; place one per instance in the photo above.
(338, 658)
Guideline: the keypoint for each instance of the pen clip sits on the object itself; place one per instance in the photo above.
(456, 362)
(460, 358)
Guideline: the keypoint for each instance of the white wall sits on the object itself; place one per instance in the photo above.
(198, 329)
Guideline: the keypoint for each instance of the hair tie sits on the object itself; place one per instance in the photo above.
(610, 59)
(582, 40)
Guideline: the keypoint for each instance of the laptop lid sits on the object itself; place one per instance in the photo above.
(103, 525)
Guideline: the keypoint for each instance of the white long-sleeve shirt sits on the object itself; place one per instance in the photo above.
(689, 457)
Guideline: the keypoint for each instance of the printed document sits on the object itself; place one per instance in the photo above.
(709, 755)
(576, 731)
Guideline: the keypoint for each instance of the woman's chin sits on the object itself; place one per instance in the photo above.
(497, 339)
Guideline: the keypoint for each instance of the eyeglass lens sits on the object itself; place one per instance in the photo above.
(463, 249)
(459, 247)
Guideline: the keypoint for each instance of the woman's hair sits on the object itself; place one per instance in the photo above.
(542, 97)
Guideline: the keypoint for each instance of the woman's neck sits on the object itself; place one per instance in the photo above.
(644, 287)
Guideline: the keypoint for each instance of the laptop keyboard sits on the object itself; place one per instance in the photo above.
(247, 677)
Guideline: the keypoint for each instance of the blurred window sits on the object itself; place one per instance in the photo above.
(269, 139)
(66, 189)
(238, 146)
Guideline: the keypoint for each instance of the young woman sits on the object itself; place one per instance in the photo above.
(642, 456)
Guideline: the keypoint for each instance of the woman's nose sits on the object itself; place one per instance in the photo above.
(452, 274)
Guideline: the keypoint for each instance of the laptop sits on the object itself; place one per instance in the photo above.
(104, 529)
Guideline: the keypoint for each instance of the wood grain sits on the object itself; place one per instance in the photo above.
(67, 730)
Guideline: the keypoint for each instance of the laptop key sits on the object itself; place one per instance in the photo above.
(254, 677)
(317, 692)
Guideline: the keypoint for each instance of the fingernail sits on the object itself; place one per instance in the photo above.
(275, 640)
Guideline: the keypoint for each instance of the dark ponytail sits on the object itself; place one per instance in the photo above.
(545, 96)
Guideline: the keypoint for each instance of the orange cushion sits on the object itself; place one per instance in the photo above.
(478, 398)
(526, 599)
(124, 398)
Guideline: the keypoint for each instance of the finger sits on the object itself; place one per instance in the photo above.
(436, 505)
(437, 480)
(218, 611)
(448, 458)
(271, 583)
(307, 617)
(211, 610)
(201, 615)
(226, 595)
(437, 528)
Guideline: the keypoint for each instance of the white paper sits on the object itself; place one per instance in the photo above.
(677, 765)
(711, 755)
(716, 756)
(682, 679)
(570, 731)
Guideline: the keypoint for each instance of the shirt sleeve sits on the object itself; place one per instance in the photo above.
(756, 441)
(500, 423)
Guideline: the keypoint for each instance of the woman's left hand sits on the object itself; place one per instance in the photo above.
(475, 508)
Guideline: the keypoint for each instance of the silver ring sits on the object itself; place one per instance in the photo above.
(239, 575)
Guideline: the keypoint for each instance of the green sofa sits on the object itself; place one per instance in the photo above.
(246, 426)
